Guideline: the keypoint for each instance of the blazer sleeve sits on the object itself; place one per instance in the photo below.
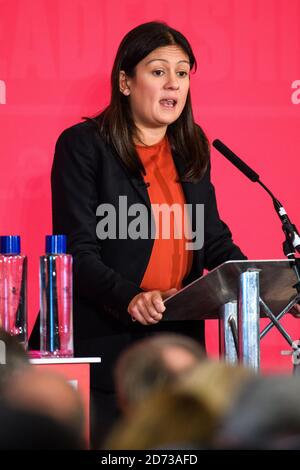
(218, 244)
(74, 203)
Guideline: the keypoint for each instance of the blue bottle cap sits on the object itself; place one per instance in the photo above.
(56, 244)
(10, 244)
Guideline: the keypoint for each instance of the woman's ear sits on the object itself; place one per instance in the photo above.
(123, 83)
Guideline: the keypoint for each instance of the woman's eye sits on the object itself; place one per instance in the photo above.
(158, 73)
(182, 73)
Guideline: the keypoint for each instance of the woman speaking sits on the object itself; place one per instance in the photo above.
(127, 190)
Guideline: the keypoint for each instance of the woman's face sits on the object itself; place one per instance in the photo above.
(159, 88)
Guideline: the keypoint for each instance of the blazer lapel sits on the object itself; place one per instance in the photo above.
(137, 182)
(189, 189)
(141, 187)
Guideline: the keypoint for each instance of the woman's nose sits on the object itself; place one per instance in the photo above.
(172, 81)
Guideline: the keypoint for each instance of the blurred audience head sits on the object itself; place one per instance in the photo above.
(266, 415)
(49, 394)
(27, 392)
(214, 405)
(216, 383)
(152, 363)
(186, 412)
(169, 419)
(27, 430)
(13, 357)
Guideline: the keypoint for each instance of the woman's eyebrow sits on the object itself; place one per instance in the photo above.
(165, 60)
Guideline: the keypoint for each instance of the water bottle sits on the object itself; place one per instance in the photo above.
(56, 309)
(13, 288)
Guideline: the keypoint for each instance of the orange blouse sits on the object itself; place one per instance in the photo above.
(169, 261)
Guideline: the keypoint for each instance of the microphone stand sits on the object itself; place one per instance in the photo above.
(290, 246)
(291, 243)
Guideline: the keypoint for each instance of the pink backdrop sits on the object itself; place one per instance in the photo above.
(55, 61)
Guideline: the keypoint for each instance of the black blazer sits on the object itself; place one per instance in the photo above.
(107, 274)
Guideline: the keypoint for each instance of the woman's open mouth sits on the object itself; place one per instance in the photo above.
(168, 103)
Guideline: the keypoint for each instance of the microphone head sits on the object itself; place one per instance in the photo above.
(235, 160)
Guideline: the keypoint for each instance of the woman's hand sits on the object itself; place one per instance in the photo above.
(147, 307)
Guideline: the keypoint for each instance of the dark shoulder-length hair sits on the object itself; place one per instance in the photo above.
(116, 123)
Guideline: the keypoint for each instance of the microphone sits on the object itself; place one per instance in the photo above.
(235, 160)
(290, 230)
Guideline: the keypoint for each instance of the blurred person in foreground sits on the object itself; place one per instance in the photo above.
(24, 429)
(33, 401)
(185, 414)
(13, 358)
(265, 415)
(47, 394)
(151, 364)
